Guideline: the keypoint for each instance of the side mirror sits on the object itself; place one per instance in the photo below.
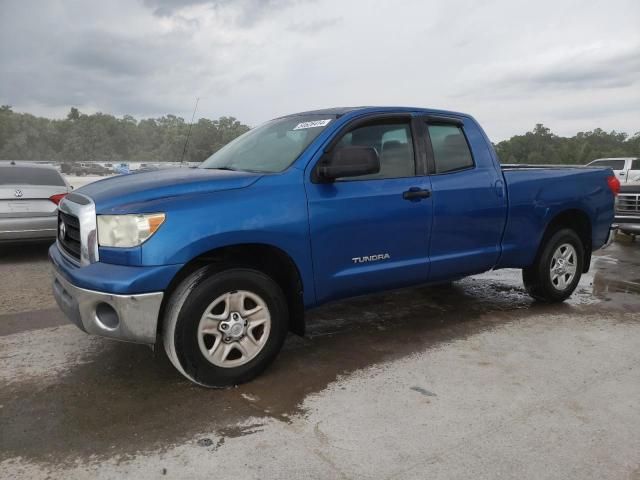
(351, 161)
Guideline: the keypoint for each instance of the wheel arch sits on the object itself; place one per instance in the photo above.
(577, 220)
(268, 259)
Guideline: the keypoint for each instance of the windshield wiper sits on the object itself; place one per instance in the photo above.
(224, 168)
(229, 169)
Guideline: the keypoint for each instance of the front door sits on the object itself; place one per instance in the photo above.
(371, 232)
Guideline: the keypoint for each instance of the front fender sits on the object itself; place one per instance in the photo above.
(272, 212)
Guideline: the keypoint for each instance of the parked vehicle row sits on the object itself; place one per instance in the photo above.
(86, 168)
(219, 262)
(115, 168)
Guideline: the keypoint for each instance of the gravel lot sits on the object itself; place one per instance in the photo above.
(473, 381)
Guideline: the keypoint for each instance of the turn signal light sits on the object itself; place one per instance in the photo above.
(56, 198)
(614, 184)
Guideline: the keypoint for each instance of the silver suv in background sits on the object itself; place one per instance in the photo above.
(29, 197)
(626, 169)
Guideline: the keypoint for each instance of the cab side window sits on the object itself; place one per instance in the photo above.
(450, 148)
(394, 144)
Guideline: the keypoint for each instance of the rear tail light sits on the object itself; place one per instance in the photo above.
(614, 185)
(56, 198)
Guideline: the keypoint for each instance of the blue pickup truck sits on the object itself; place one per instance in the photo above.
(219, 262)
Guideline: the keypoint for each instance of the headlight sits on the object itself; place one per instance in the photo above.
(127, 230)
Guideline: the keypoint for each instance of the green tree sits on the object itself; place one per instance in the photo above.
(541, 146)
(81, 137)
(73, 114)
(100, 136)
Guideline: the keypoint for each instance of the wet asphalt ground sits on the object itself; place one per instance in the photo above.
(470, 381)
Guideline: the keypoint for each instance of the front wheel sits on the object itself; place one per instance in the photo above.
(557, 269)
(224, 328)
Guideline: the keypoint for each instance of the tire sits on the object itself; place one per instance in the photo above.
(545, 280)
(196, 345)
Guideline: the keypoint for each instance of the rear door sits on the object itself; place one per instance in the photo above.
(469, 199)
(371, 232)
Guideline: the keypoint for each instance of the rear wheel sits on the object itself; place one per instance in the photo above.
(225, 328)
(557, 268)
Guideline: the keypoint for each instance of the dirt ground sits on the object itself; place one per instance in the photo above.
(470, 381)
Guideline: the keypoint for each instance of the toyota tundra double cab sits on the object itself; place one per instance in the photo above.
(219, 262)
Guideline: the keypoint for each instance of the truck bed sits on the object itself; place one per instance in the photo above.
(550, 189)
(530, 166)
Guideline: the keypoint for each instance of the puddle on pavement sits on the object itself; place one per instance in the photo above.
(124, 399)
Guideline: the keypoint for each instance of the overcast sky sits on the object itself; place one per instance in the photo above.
(572, 65)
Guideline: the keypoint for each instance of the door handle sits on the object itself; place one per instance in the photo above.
(415, 194)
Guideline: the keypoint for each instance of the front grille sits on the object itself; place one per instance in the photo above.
(70, 242)
(628, 203)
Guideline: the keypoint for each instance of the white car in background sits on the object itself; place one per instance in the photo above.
(29, 197)
(627, 169)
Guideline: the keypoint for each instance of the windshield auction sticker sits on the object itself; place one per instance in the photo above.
(313, 124)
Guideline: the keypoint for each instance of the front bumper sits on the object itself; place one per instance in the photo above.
(627, 223)
(629, 227)
(132, 318)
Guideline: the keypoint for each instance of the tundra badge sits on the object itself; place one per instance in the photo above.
(371, 258)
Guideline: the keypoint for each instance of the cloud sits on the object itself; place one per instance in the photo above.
(587, 69)
(509, 64)
(242, 12)
(618, 70)
(313, 26)
(170, 7)
(115, 55)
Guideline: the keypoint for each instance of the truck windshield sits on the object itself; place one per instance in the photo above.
(272, 146)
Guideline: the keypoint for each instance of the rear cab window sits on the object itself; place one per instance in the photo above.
(612, 164)
(18, 175)
(451, 151)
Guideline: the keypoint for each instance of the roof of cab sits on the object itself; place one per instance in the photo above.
(339, 111)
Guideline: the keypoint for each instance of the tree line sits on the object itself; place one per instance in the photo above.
(103, 137)
(542, 146)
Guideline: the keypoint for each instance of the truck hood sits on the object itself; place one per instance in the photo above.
(145, 186)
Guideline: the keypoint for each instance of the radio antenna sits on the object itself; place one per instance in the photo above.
(186, 142)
